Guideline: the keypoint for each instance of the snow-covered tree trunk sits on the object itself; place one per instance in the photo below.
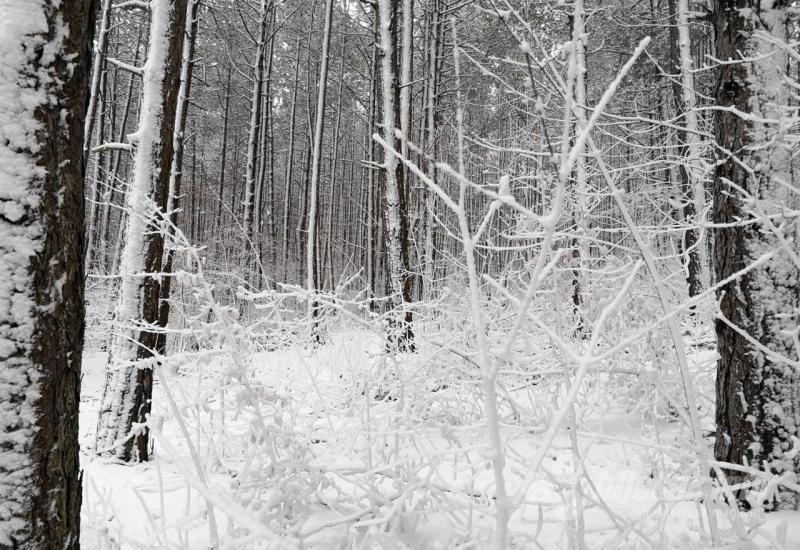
(405, 77)
(251, 170)
(128, 388)
(100, 51)
(104, 227)
(44, 64)
(758, 382)
(223, 151)
(94, 190)
(431, 149)
(176, 169)
(265, 174)
(396, 256)
(689, 172)
(580, 208)
(316, 158)
(328, 260)
(287, 196)
(374, 109)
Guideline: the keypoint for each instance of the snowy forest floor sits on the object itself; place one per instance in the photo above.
(365, 451)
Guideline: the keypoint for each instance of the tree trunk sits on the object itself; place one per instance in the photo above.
(758, 392)
(125, 404)
(97, 72)
(176, 170)
(113, 174)
(94, 193)
(251, 171)
(224, 151)
(692, 190)
(431, 148)
(41, 253)
(313, 192)
(394, 198)
(580, 208)
(287, 196)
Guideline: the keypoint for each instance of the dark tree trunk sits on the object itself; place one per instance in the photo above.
(128, 390)
(177, 167)
(41, 252)
(404, 335)
(757, 391)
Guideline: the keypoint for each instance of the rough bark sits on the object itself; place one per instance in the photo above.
(580, 189)
(395, 205)
(176, 171)
(287, 196)
(312, 253)
(691, 184)
(757, 391)
(432, 121)
(41, 269)
(125, 405)
(251, 171)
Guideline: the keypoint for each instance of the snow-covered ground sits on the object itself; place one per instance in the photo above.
(346, 447)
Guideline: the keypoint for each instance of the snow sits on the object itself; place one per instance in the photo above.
(141, 210)
(377, 469)
(23, 88)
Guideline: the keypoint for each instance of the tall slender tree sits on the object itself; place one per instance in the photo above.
(125, 405)
(689, 173)
(45, 50)
(395, 203)
(252, 187)
(176, 169)
(316, 162)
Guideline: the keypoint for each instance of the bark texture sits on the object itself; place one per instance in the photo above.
(176, 171)
(684, 104)
(41, 273)
(395, 207)
(125, 406)
(758, 392)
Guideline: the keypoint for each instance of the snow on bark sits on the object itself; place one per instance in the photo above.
(42, 67)
(22, 27)
(99, 53)
(695, 153)
(319, 128)
(405, 73)
(397, 270)
(689, 171)
(256, 104)
(97, 72)
(182, 107)
(431, 149)
(758, 408)
(581, 207)
(123, 401)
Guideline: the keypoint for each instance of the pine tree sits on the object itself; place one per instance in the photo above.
(395, 199)
(758, 387)
(45, 56)
(129, 385)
